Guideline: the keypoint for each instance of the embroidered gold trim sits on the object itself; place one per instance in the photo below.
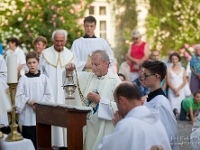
(58, 60)
(67, 62)
(48, 61)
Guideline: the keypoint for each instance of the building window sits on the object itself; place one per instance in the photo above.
(102, 10)
(103, 29)
(91, 10)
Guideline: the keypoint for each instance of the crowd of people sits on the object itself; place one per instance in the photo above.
(135, 108)
(177, 85)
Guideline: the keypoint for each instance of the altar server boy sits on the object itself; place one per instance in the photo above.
(32, 87)
(154, 73)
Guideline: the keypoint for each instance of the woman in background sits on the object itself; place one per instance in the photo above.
(176, 80)
(39, 44)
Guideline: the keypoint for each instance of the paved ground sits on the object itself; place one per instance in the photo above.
(184, 130)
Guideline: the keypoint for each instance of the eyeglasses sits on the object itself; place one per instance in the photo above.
(135, 39)
(144, 76)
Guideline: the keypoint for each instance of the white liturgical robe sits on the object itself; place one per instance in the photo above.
(97, 127)
(139, 130)
(83, 47)
(3, 96)
(6, 100)
(5, 106)
(34, 88)
(161, 103)
(52, 65)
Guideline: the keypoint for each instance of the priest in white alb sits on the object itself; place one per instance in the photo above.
(96, 91)
(53, 62)
(83, 47)
(137, 127)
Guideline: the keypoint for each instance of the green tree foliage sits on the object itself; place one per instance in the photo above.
(126, 21)
(26, 19)
(173, 23)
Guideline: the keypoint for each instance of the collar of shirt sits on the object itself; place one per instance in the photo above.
(16, 50)
(102, 77)
(87, 36)
(154, 94)
(32, 75)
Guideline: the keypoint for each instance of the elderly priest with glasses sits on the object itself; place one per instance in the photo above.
(96, 91)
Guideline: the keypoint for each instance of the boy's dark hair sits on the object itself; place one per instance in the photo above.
(13, 40)
(156, 67)
(128, 90)
(196, 92)
(175, 54)
(120, 74)
(32, 54)
(90, 19)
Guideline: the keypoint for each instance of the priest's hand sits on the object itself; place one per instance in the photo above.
(69, 68)
(117, 118)
(94, 97)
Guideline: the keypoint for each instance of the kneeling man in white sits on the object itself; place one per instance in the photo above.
(137, 127)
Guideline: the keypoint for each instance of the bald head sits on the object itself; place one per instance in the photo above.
(128, 90)
(127, 97)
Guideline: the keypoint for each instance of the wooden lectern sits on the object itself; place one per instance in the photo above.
(71, 117)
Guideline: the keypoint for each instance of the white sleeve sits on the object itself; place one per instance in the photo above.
(109, 142)
(105, 109)
(110, 53)
(5, 104)
(107, 106)
(77, 52)
(63, 76)
(48, 92)
(42, 65)
(22, 59)
(20, 97)
(168, 120)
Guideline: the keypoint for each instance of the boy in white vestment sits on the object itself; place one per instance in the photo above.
(32, 87)
(83, 47)
(139, 129)
(154, 73)
(97, 87)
